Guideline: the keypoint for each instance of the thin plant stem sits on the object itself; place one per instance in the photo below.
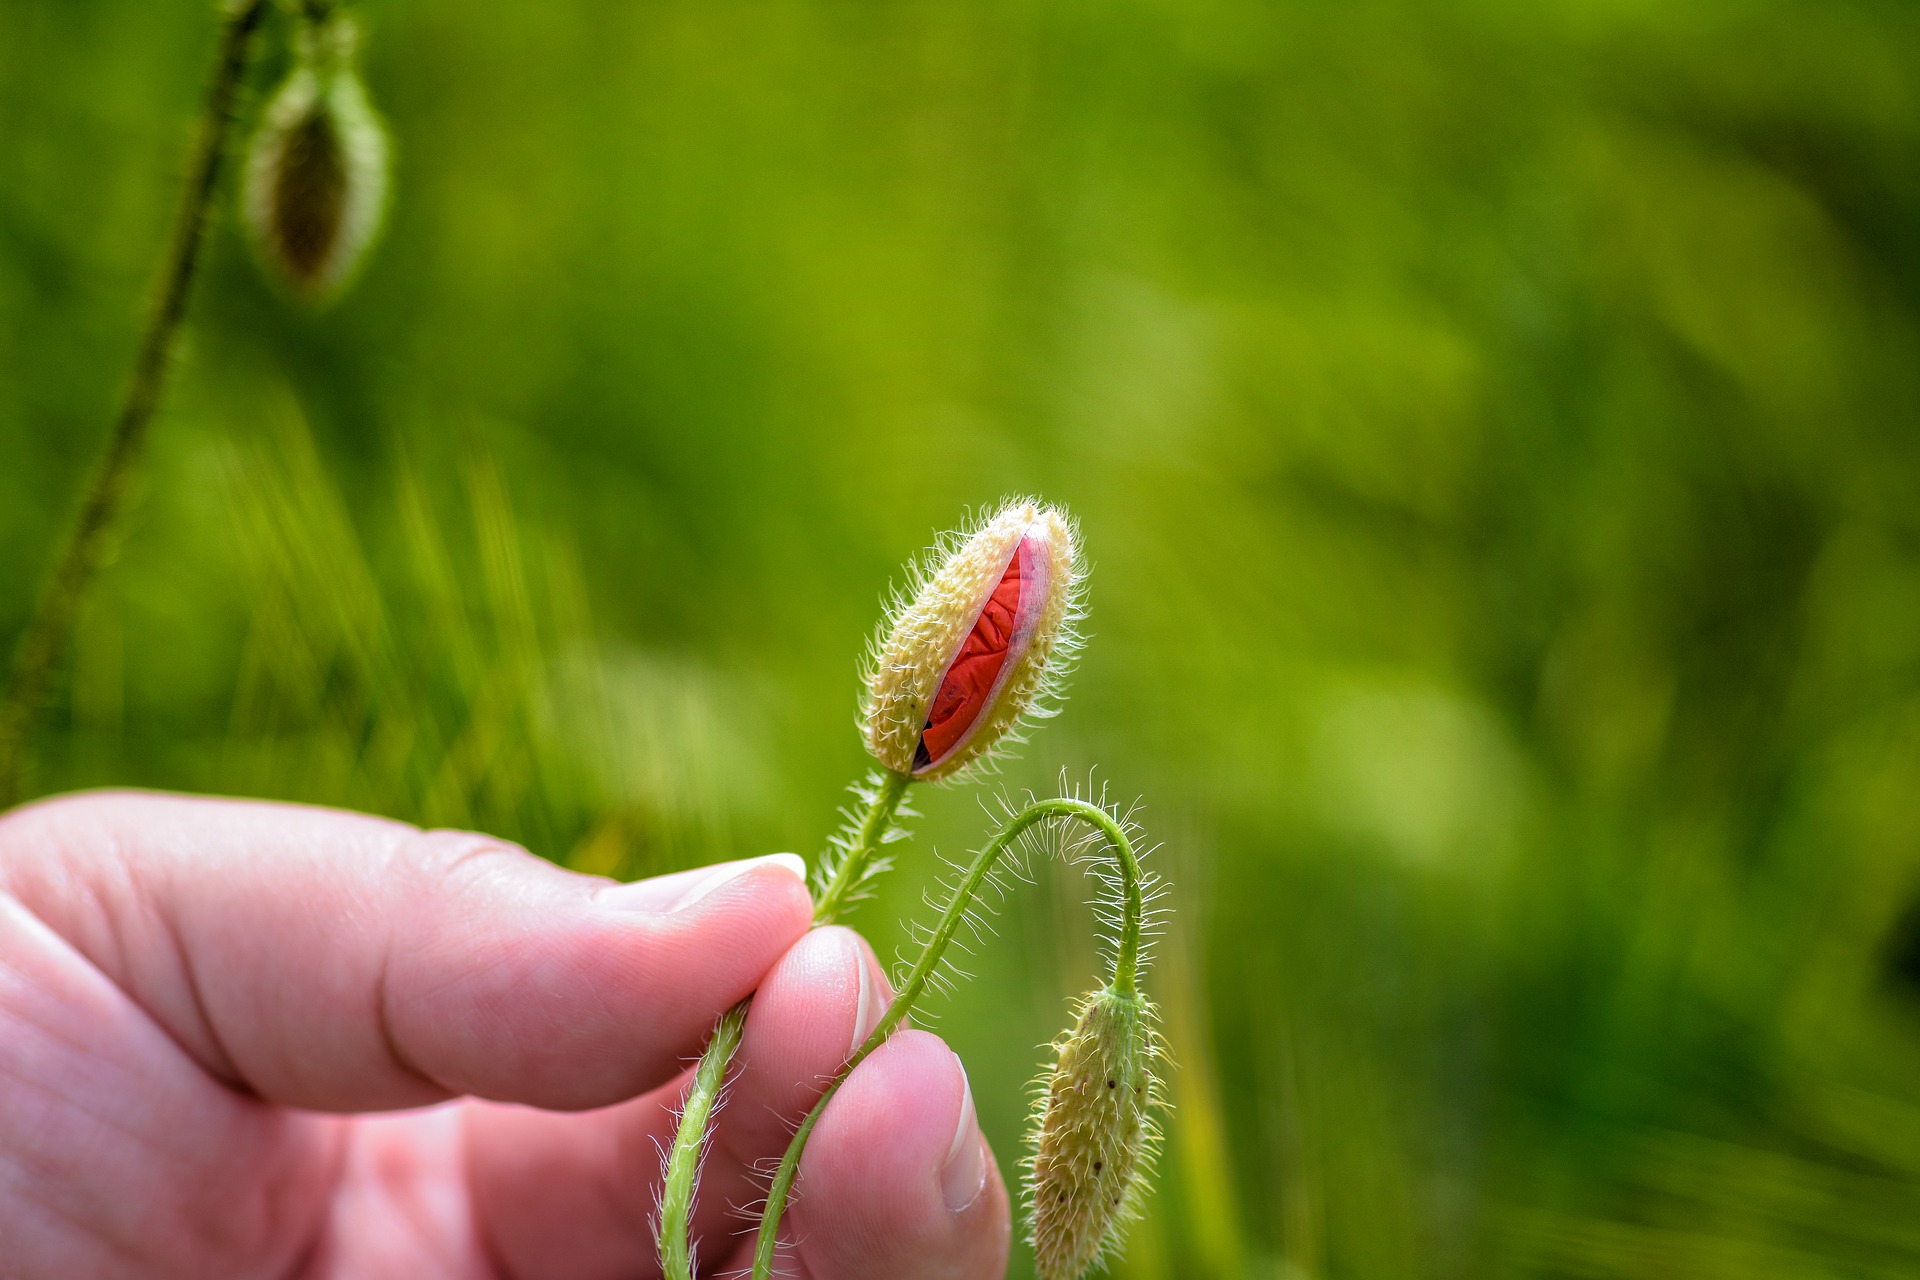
(51, 628)
(842, 889)
(1126, 970)
(683, 1162)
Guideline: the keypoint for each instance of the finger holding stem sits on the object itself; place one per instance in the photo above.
(866, 834)
(1123, 984)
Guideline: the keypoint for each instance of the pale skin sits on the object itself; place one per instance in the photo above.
(225, 1027)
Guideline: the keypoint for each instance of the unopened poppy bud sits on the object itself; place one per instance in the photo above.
(1093, 1143)
(316, 176)
(977, 647)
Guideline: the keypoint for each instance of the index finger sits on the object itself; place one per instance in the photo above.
(338, 962)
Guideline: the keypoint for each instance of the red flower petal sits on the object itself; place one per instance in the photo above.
(974, 676)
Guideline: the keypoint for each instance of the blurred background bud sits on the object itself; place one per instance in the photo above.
(316, 176)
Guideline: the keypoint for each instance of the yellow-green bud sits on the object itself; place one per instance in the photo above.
(977, 647)
(316, 174)
(1094, 1140)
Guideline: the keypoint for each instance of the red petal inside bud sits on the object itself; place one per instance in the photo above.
(974, 677)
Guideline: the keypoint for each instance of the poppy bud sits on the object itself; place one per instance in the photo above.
(316, 176)
(977, 647)
(1093, 1143)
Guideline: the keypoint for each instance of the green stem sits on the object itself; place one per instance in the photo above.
(683, 1162)
(48, 633)
(839, 892)
(1126, 972)
(690, 1138)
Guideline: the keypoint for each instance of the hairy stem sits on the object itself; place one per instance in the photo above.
(47, 634)
(839, 892)
(1126, 971)
(683, 1161)
(690, 1138)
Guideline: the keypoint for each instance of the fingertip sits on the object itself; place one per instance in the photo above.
(777, 882)
(778, 873)
(847, 966)
(812, 1011)
(592, 993)
(894, 1118)
(898, 1168)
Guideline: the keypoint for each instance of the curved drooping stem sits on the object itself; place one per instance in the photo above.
(863, 841)
(1126, 971)
(52, 625)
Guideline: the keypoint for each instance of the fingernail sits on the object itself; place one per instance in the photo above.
(965, 1175)
(866, 1013)
(732, 871)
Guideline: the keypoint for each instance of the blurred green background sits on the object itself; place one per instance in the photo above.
(1493, 427)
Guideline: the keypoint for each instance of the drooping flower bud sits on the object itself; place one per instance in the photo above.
(316, 175)
(977, 647)
(1093, 1143)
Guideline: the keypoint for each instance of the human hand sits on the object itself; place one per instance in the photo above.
(203, 1002)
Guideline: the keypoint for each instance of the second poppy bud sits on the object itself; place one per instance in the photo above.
(316, 178)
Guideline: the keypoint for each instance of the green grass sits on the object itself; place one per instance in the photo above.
(1492, 426)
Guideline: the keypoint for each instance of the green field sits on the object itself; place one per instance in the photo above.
(1495, 431)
